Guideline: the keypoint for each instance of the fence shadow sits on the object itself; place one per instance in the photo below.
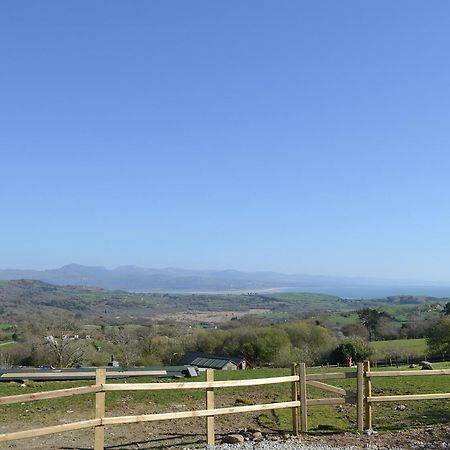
(165, 441)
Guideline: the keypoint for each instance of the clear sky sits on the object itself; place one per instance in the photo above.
(257, 135)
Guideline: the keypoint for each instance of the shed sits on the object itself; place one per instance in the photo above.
(209, 361)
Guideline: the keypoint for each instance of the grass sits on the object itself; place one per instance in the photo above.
(399, 347)
(325, 419)
(322, 419)
(339, 319)
(4, 344)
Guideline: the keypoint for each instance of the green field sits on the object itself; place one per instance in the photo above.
(4, 344)
(402, 348)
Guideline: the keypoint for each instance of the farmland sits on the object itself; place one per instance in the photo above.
(22, 296)
(401, 348)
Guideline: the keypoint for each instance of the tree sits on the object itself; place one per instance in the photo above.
(64, 350)
(355, 348)
(126, 346)
(439, 339)
(416, 328)
(446, 310)
(62, 347)
(371, 319)
(355, 330)
(386, 329)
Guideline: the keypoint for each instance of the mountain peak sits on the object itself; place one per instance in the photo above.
(73, 267)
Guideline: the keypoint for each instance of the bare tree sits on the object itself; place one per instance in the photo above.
(62, 345)
(127, 347)
(6, 360)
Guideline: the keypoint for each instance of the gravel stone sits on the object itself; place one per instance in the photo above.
(233, 439)
(273, 445)
(425, 438)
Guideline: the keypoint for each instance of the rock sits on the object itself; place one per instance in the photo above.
(233, 439)
(426, 365)
(371, 432)
(286, 435)
(412, 366)
(400, 407)
(257, 436)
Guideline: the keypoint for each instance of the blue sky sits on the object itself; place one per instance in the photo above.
(292, 136)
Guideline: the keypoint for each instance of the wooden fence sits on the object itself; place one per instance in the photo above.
(299, 403)
(369, 399)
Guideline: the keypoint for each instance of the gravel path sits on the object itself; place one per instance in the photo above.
(295, 445)
(427, 438)
(271, 445)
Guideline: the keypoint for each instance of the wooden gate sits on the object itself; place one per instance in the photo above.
(345, 397)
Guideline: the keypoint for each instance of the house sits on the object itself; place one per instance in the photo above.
(209, 361)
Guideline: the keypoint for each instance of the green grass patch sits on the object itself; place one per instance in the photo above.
(401, 348)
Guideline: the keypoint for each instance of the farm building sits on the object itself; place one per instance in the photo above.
(209, 361)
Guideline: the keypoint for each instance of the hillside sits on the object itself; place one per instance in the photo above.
(22, 297)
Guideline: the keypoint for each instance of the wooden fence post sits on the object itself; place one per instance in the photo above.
(100, 378)
(367, 393)
(210, 432)
(294, 392)
(360, 396)
(303, 401)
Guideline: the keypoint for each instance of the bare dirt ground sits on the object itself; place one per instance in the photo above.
(211, 316)
(190, 433)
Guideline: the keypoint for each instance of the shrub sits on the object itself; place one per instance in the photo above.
(355, 348)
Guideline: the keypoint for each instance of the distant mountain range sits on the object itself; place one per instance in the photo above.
(139, 279)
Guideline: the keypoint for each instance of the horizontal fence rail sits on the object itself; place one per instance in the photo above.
(50, 430)
(57, 393)
(330, 376)
(198, 413)
(396, 398)
(197, 385)
(408, 373)
(89, 373)
(299, 403)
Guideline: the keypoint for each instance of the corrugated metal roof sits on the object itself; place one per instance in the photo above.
(191, 357)
(211, 363)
